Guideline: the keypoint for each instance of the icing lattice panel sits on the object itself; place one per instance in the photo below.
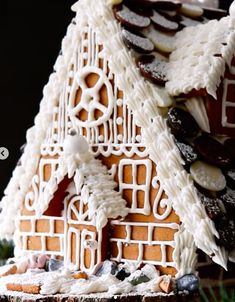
(96, 107)
(91, 103)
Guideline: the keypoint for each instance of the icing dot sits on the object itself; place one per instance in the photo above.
(119, 102)
(138, 138)
(101, 138)
(55, 137)
(119, 121)
(120, 137)
(75, 144)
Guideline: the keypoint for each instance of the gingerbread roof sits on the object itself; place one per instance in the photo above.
(144, 99)
(202, 51)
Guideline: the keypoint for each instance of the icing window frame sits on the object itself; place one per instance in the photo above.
(134, 186)
(226, 103)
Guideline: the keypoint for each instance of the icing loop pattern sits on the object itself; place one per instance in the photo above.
(164, 203)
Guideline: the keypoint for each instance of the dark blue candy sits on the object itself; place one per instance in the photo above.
(188, 282)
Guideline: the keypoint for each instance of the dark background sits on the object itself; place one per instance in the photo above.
(30, 38)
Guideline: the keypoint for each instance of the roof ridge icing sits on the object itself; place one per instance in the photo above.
(162, 150)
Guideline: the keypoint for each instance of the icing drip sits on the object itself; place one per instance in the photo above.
(175, 180)
(203, 51)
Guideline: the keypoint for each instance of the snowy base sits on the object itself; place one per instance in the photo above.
(21, 297)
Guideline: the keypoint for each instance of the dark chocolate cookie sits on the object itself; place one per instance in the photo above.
(226, 230)
(164, 24)
(137, 42)
(214, 207)
(187, 152)
(181, 123)
(130, 18)
(153, 69)
(212, 151)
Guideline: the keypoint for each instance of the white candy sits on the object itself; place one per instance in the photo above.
(74, 144)
(161, 41)
(191, 10)
(207, 176)
(204, 3)
(114, 2)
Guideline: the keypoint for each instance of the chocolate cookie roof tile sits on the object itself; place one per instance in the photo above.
(184, 34)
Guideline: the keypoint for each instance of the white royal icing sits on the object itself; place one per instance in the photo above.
(204, 51)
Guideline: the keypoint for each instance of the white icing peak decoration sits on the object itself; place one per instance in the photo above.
(232, 9)
(204, 51)
(76, 144)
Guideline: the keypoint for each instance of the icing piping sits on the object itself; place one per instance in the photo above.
(204, 51)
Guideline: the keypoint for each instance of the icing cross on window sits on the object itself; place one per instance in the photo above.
(138, 183)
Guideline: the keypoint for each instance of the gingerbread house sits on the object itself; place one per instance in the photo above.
(103, 173)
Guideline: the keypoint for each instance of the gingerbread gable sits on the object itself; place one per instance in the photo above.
(142, 100)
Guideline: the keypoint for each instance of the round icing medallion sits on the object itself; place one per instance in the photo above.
(90, 98)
